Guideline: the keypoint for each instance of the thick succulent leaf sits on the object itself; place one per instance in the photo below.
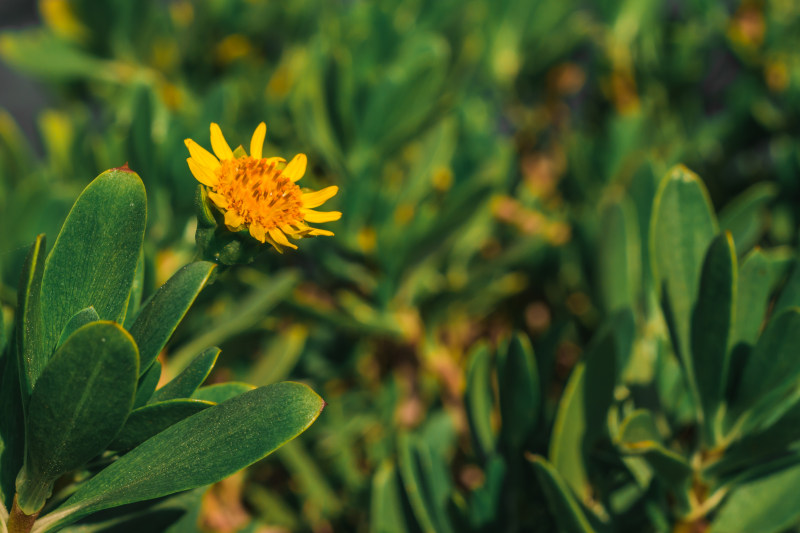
(185, 383)
(712, 318)
(681, 229)
(78, 320)
(94, 258)
(773, 366)
(766, 505)
(564, 508)
(147, 384)
(222, 392)
(80, 402)
(32, 356)
(198, 450)
(164, 310)
(154, 418)
(520, 394)
(479, 400)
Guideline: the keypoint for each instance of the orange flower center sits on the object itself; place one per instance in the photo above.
(257, 191)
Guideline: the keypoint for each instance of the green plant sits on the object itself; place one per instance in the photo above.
(83, 427)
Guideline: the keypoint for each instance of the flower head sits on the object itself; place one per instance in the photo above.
(259, 194)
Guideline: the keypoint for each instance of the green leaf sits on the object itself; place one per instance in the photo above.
(712, 318)
(137, 289)
(80, 402)
(564, 508)
(154, 418)
(43, 53)
(745, 217)
(681, 229)
(790, 295)
(198, 450)
(147, 384)
(773, 367)
(78, 320)
(766, 505)
(32, 356)
(166, 308)
(520, 394)
(639, 437)
(221, 392)
(619, 264)
(386, 508)
(94, 257)
(185, 383)
(484, 508)
(769, 440)
(479, 399)
(12, 428)
(422, 476)
(583, 410)
(758, 275)
(312, 484)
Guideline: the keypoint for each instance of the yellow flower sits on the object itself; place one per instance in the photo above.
(259, 194)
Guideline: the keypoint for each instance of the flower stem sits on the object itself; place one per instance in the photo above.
(19, 522)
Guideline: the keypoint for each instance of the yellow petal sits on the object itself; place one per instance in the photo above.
(258, 232)
(219, 144)
(316, 199)
(317, 231)
(296, 167)
(257, 142)
(275, 160)
(278, 236)
(321, 216)
(201, 155)
(218, 199)
(290, 231)
(232, 219)
(204, 175)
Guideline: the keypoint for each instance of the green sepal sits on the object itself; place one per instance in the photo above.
(215, 242)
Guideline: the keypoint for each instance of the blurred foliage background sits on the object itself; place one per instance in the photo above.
(497, 164)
